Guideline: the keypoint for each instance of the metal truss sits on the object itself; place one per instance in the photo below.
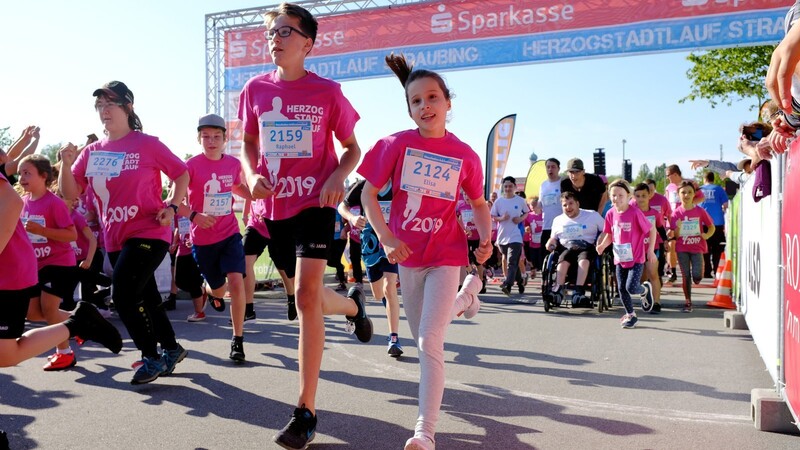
(218, 23)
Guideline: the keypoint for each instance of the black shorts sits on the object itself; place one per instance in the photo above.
(254, 243)
(375, 273)
(14, 310)
(60, 281)
(306, 235)
(573, 256)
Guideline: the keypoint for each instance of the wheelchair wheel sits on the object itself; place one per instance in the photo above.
(609, 279)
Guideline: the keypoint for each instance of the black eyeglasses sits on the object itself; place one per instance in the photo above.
(284, 31)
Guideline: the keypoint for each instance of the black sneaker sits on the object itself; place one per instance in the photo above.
(148, 370)
(291, 309)
(249, 315)
(483, 287)
(362, 323)
(169, 303)
(521, 288)
(218, 303)
(91, 326)
(299, 432)
(673, 278)
(172, 358)
(237, 350)
(506, 290)
(656, 309)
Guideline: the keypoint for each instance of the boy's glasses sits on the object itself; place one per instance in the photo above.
(284, 32)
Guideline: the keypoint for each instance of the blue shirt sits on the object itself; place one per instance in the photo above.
(715, 198)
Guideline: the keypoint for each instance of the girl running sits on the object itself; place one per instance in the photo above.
(686, 225)
(426, 166)
(626, 228)
(123, 170)
(50, 230)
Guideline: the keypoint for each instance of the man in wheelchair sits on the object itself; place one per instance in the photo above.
(573, 237)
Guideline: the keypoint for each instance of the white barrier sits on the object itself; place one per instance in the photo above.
(759, 260)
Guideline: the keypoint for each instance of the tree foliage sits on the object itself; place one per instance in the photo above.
(51, 151)
(5, 138)
(726, 75)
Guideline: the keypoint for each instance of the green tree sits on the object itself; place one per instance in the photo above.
(51, 151)
(644, 173)
(727, 74)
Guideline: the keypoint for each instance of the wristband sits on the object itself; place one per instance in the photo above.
(174, 208)
(191, 216)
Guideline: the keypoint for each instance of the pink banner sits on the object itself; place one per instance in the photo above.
(458, 20)
(790, 228)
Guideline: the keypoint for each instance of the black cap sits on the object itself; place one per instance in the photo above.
(115, 90)
(574, 165)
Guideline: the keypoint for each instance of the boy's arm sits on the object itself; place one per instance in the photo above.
(333, 190)
(258, 185)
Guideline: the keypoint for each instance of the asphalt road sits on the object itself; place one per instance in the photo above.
(518, 378)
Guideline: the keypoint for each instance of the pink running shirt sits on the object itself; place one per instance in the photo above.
(81, 245)
(210, 193)
(690, 240)
(20, 270)
(126, 183)
(426, 174)
(536, 224)
(295, 122)
(258, 212)
(628, 230)
(464, 211)
(50, 212)
(655, 219)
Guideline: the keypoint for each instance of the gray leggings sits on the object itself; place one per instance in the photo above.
(428, 297)
(691, 270)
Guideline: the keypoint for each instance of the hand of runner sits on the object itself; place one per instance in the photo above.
(483, 252)
(259, 186)
(396, 250)
(332, 192)
(204, 221)
(69, 153)
(165, 216)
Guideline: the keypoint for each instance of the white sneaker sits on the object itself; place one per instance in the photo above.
(419, 443)
(197, 317)
(467, 300)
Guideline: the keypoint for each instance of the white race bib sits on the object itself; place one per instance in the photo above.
(183, 226)
(217, 204)
(536, 238)
(549, 199)
(430, 174)
(572, 232)
(386, 209)
(467, 216)
(623, 252)
(690, 227)
(286, 139)
(37, 238)
(105, 164)
(652, 220)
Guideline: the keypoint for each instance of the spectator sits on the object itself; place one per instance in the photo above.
(549, 196)
(715, 204)
(589, 189)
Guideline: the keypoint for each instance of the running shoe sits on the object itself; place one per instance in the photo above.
(674, 277)
(249, 315)
(89, 325)
(169, 302)
(467, 297)
(291, 309)
(647, 297)
(197, 317)
(395, 349)
(656, 309)
(300, 430)
(419, 443)
(687, 308)
(521, 288)
(60, 361)
(362, 323)
(341, 287)
(172, 358)
(506, 290)
(237, 350)
(630, 322)
(148, 370)
(217, 303)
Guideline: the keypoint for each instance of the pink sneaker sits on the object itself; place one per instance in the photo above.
(467, 297)
(419, 443)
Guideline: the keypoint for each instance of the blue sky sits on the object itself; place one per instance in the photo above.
(55, 54)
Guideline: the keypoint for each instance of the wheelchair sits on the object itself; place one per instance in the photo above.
(597, 281)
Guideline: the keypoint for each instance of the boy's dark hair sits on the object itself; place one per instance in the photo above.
(650, 181)
(553, 160)
(511, 179)
(308, 24)
(673, 168)
(570, 196)
(406, 74)
(687, 183)
(710, 177)
(642, 187)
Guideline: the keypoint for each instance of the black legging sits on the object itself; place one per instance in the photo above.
(95, 277)
(335, 258)
(188, 276)
(355, 261)
(136, 295)
(716, 245)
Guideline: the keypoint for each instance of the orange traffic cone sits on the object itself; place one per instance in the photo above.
(722, 298)
(720, 269)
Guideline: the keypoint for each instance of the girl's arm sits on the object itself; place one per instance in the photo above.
(87, 233)
(602, 243)
(711, 230)
(11, 205)
(396, 250)
(67, 234)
